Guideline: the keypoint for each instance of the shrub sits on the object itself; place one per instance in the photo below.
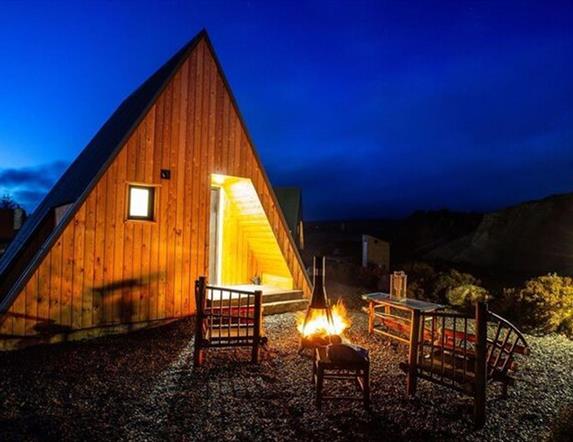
(425, 282)
(370, 276)
(420, 278)
(451, 286)
(465, 296)
(447, 281)
(562, 427)
(544, 304)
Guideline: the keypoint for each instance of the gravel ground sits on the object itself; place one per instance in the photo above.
(142, 387)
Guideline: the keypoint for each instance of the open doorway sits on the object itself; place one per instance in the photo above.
(214, 246)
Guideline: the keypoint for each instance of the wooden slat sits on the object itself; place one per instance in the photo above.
(170, 133)
(154, 267)
(117, 298)
(163, 147)
(89, 261)
(182, 281)
(108, 237)
(99, 252)
(78, 269)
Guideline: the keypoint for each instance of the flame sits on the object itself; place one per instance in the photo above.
(318, 325)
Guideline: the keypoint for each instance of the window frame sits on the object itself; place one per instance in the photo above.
(152, 189)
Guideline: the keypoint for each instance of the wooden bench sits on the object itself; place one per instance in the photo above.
(226, 318)
(462, 354)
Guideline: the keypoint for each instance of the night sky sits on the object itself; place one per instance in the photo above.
(374, 108)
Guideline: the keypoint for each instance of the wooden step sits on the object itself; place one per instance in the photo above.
(275, 300)
(274, 308)
(287, 295)
(270, 297)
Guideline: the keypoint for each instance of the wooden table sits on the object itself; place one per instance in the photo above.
(411, 326)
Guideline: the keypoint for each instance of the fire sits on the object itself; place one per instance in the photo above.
(318, 324)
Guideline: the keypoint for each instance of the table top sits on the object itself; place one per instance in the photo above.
(408, 303)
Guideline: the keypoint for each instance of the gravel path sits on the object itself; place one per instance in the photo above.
(142, 387)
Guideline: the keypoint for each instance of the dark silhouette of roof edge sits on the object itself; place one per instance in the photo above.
(82, 175)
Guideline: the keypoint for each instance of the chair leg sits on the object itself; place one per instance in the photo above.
(504, 390)
(198, 356)
(314, 373)
(366, 390)
(255, 353)
(319, 385)
(479, 409)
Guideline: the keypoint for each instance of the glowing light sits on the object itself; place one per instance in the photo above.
(217, 179)
(139, 202)
(220, 225)
(318, 324)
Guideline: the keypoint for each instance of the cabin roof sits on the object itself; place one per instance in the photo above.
(85, 171)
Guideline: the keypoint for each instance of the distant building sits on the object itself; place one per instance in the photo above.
(375, 251)
(290, 200)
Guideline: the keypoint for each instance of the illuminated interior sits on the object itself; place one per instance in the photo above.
(140, 202)
(247, 245)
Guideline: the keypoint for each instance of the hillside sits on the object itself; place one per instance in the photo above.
(410, 238)
(531, 238)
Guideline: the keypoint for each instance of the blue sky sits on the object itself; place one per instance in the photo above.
(374, 108)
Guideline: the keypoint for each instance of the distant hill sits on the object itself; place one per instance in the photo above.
(410, 238)
(535, 237)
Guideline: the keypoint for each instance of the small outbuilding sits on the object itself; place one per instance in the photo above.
(375, 252)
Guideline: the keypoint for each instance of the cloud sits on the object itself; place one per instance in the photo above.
(28, 185)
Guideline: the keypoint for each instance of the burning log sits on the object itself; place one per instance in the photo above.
(319, 341)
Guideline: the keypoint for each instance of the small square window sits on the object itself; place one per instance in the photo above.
(140, 204)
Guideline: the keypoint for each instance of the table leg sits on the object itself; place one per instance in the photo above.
(370, 317)
(413, 352)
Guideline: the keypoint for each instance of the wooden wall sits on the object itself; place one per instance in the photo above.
(105, 270)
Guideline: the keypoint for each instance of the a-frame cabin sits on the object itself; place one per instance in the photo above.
(169, 189)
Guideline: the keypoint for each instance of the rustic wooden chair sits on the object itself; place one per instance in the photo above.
(227, 318)
(459, 353)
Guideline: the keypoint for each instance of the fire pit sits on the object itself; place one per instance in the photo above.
(322, 324)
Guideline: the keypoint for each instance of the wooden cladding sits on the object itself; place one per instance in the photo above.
(105, 270)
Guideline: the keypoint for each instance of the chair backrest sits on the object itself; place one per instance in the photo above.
(502, 346)
(227, 315)
(398, 284)
(447, 354)
(463, 354)
(455, 336)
